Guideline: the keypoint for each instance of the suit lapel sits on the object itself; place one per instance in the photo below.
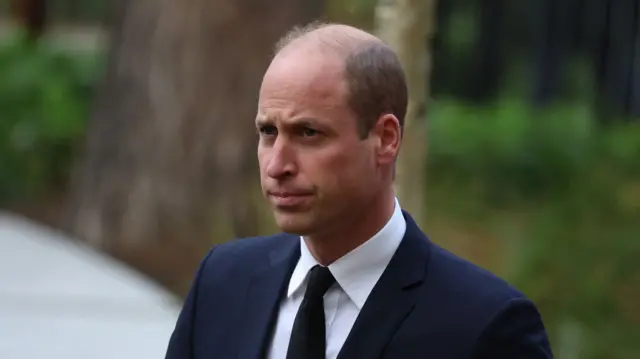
(263, 296)
(392, 298)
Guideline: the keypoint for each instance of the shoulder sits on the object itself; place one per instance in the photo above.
(461, 278)
(244, 255)
(249, 246)
(497, 318)
(460, 275)
(451, 278)
(469, 291)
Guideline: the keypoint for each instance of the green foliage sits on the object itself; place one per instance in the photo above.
(514, 152)
(44, 103)
(562, 195)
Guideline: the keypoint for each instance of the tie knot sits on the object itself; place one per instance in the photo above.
(320, 279)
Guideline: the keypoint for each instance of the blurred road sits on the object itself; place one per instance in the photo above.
(60, 299)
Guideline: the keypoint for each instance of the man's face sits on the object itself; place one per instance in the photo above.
(315, 170)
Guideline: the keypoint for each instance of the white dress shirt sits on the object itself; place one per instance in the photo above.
(356, 274)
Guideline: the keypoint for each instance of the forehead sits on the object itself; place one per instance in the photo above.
(304, 78)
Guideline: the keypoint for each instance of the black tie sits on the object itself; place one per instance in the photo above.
(308, 338)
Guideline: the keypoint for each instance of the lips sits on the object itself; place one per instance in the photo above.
(288, 199)
(289, 193)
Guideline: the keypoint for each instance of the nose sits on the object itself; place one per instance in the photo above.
(281, 161)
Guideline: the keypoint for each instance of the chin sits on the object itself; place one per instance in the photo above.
(300, 224)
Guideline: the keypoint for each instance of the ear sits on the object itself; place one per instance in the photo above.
(388, 136)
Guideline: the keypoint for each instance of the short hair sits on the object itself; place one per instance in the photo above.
(375, 78)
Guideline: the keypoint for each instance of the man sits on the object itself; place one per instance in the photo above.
(352, 276)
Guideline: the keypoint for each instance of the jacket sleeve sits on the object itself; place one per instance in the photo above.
(517, 332)
(181, 341)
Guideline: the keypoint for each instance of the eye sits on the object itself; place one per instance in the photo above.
(309, 132)
(268, 130)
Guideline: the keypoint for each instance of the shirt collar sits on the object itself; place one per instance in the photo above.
(358, 271)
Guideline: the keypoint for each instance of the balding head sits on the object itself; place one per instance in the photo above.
(375, 78)
(340, 38)
(329, 119)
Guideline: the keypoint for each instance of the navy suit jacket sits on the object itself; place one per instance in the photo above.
(427, 304)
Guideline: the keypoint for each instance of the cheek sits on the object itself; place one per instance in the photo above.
(263, 165)
(340, 170)
(263, 159)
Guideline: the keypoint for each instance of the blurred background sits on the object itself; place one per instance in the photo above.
(127, 148)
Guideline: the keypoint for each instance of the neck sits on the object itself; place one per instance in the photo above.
(328, 247)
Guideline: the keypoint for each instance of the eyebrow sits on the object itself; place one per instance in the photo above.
(296, 121)
(260, 119)
(304, 121)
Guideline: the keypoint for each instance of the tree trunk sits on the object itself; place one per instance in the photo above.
(170, 148)
(32, 15)
(408, 26)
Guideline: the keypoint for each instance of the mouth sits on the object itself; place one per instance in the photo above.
(288, 199)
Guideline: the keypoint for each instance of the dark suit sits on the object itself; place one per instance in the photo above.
(427, 304)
